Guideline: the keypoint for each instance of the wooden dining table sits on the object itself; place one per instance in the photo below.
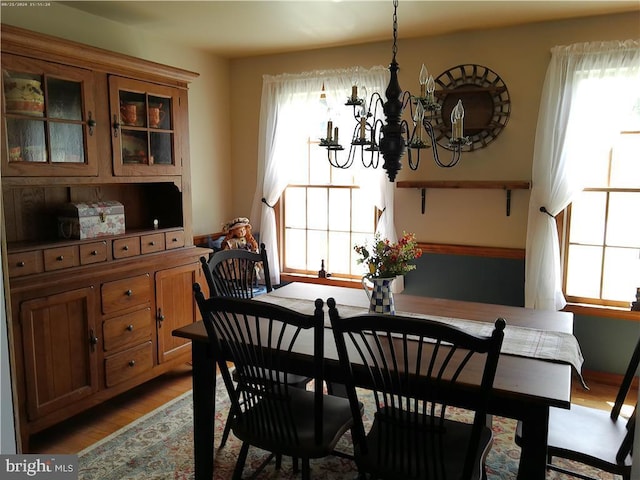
(524, 388)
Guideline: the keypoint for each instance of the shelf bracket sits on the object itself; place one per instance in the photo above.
(423, 198)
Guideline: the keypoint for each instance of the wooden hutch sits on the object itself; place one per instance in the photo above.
(92, 318)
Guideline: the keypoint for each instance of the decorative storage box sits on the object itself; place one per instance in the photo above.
(91, 220)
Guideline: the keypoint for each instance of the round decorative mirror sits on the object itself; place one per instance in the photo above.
(485, 99)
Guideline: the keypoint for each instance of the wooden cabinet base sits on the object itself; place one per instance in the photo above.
(84, 338)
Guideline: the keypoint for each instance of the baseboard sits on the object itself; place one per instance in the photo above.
(607, 378)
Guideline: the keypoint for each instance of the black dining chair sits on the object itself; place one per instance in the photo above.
(599, 438)
(418, 368)
(233, 273)
(261, 340)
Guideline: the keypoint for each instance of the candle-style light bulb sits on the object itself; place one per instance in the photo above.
(457, 119)
(423, 78)
(354, 85)
(461, 119)
(365, 109)
(362, 119)
(417, 119)
(329, 130)
(431, 87)
(419, 115)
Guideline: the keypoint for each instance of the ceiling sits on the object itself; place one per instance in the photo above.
(245, 28)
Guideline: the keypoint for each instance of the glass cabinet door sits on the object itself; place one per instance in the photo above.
(49, 118)
(144, 133)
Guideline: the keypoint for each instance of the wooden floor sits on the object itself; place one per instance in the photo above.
(85, 429)
(76, 434)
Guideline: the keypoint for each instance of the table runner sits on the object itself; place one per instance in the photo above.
(519, 341)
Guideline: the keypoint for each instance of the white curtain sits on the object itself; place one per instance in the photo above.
(588, 89)
(286, 99)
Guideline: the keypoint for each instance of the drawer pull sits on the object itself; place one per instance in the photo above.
(174, 239)
(129, 293)
(20, 264)
(152, 243)
(125, 248)
(130, 328)
(132, 363)
(60, 258)
(94, 252)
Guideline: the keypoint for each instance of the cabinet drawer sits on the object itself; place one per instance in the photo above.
(152, 243)
(25, 263)
(61, 257)
(126, 247)
(174, 240)
(93, 253)
(126, 293)
(125, 365)
(127, 330)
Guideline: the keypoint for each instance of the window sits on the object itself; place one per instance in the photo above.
(602, 248)
(325, 213)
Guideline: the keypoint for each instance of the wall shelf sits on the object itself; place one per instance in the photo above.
(506, 185)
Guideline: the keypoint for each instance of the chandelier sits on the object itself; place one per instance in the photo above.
(392, 137)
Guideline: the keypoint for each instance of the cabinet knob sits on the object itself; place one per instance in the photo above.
(129, 293)
(93, 340)
(60, 258)
(20, 264)
(116, 125)
(132, 363)
(91, 123)
(152, 243)
(125, 248)
(174, 239)
(94, 252)
(130, 328)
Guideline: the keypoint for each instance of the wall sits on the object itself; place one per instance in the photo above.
(8, 443)
(224, 126)
(519, 55)
(209, 128)
(468, 277)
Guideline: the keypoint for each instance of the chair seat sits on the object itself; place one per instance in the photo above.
(294, 380)
(587, 435)
(337, 420)
(455, 438)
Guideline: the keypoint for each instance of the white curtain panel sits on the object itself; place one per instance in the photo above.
(589, 88)
(285, 124)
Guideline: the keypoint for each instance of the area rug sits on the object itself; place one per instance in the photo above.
(159, 446)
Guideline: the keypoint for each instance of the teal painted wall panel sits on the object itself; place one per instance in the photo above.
(606, 343)
(466, 277)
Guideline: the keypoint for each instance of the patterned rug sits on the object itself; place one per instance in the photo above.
(159, 446)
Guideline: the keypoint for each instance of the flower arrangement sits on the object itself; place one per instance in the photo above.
(385, 259)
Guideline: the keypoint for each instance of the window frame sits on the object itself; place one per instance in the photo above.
(281, 220)
(563, 223)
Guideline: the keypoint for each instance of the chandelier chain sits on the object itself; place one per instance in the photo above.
(395, 28)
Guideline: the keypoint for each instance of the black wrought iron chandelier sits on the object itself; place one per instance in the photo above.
(372, 136)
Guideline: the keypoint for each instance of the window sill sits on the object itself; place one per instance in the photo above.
(601, 311)
(336, 282)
